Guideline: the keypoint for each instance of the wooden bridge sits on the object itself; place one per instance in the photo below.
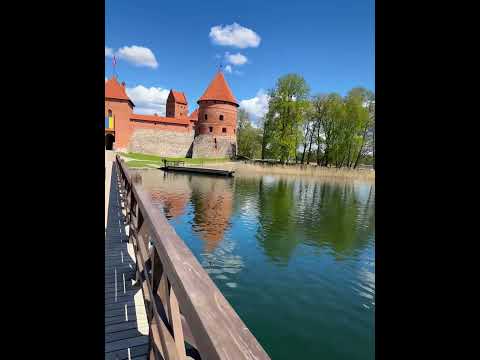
(159, 302)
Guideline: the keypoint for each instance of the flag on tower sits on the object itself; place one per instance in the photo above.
(114, 62)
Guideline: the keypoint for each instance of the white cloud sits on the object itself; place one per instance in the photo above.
(257, 107)
(108, 52)
(148, 100)
(235, 59)
(228, 69)
(234, 35)
(138, 56)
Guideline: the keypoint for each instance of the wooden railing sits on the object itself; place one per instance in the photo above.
(182, 303)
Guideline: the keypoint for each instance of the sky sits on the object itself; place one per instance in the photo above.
(162, 45)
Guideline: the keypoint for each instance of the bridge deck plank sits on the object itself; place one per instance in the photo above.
(126, 331)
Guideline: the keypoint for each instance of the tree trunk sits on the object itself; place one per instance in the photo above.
(318, 147)
(347, 157)
(296, 147)
(360, 151)
(310, 146)
(264, 140)
(326, 154)
(373, 159)
(303, 155)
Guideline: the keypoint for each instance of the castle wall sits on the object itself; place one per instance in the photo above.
(121, 110)
(204, 146)
(159, 126)
(160, 142)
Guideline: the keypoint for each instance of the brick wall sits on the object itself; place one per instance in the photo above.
(160, 142)
(121, 110)
(209, 117)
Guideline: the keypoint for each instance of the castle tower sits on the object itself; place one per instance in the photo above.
(118, 109)
(177, 105)
(215, 132)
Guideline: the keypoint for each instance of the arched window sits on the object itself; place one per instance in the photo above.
(109, 113)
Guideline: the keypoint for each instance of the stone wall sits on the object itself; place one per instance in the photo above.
(161, 142)
(204, 146)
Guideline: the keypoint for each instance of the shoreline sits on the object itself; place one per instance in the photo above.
(305, 171)
(246, 169)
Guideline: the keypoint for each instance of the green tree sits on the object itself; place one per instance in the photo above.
(363, 116)
(288, 105)
(343, 126)
(329, 115)
(249, 138)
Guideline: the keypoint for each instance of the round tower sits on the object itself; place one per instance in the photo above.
(215, 133)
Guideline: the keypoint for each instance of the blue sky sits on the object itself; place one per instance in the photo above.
(330, 43)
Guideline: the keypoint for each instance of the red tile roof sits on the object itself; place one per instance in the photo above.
(219, 90)
(115, 90)
(194, 115)
(179, 97)
(162, 119)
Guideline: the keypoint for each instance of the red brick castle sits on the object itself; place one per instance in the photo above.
(209, 131)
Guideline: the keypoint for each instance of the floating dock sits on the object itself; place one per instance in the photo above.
(198, 170)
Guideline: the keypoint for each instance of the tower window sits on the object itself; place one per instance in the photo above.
(211, 129)
(206, 117)
(221, 117)
(224, 130)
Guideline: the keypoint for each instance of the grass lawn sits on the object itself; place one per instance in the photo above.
(142, 164)
(144, 160)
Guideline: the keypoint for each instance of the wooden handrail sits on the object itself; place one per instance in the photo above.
(182, 302)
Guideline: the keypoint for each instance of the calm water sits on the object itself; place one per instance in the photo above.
(294, 256)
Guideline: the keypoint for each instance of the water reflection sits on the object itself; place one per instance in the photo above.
(300, 247)
(284, 212)
(172, 193)
(212, 201)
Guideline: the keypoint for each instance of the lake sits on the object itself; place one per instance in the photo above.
(294, 256)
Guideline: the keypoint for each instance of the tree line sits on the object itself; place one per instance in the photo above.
(327, 129)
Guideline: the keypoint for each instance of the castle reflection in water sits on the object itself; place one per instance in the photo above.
(211, 199)
(282, 212)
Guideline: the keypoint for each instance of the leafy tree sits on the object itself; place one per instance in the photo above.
(341, 130)
(309, 126)
(330, 115)
(364, 118)
(288, 105)
(249, 138)
(342, 126)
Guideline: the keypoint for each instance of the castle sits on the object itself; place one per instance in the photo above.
(209, 131)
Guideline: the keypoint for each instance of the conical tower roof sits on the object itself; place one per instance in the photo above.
(219, 90)
(115, 90)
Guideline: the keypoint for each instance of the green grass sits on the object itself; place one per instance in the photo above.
(137, 156)
(141, 164)
(143, 160)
